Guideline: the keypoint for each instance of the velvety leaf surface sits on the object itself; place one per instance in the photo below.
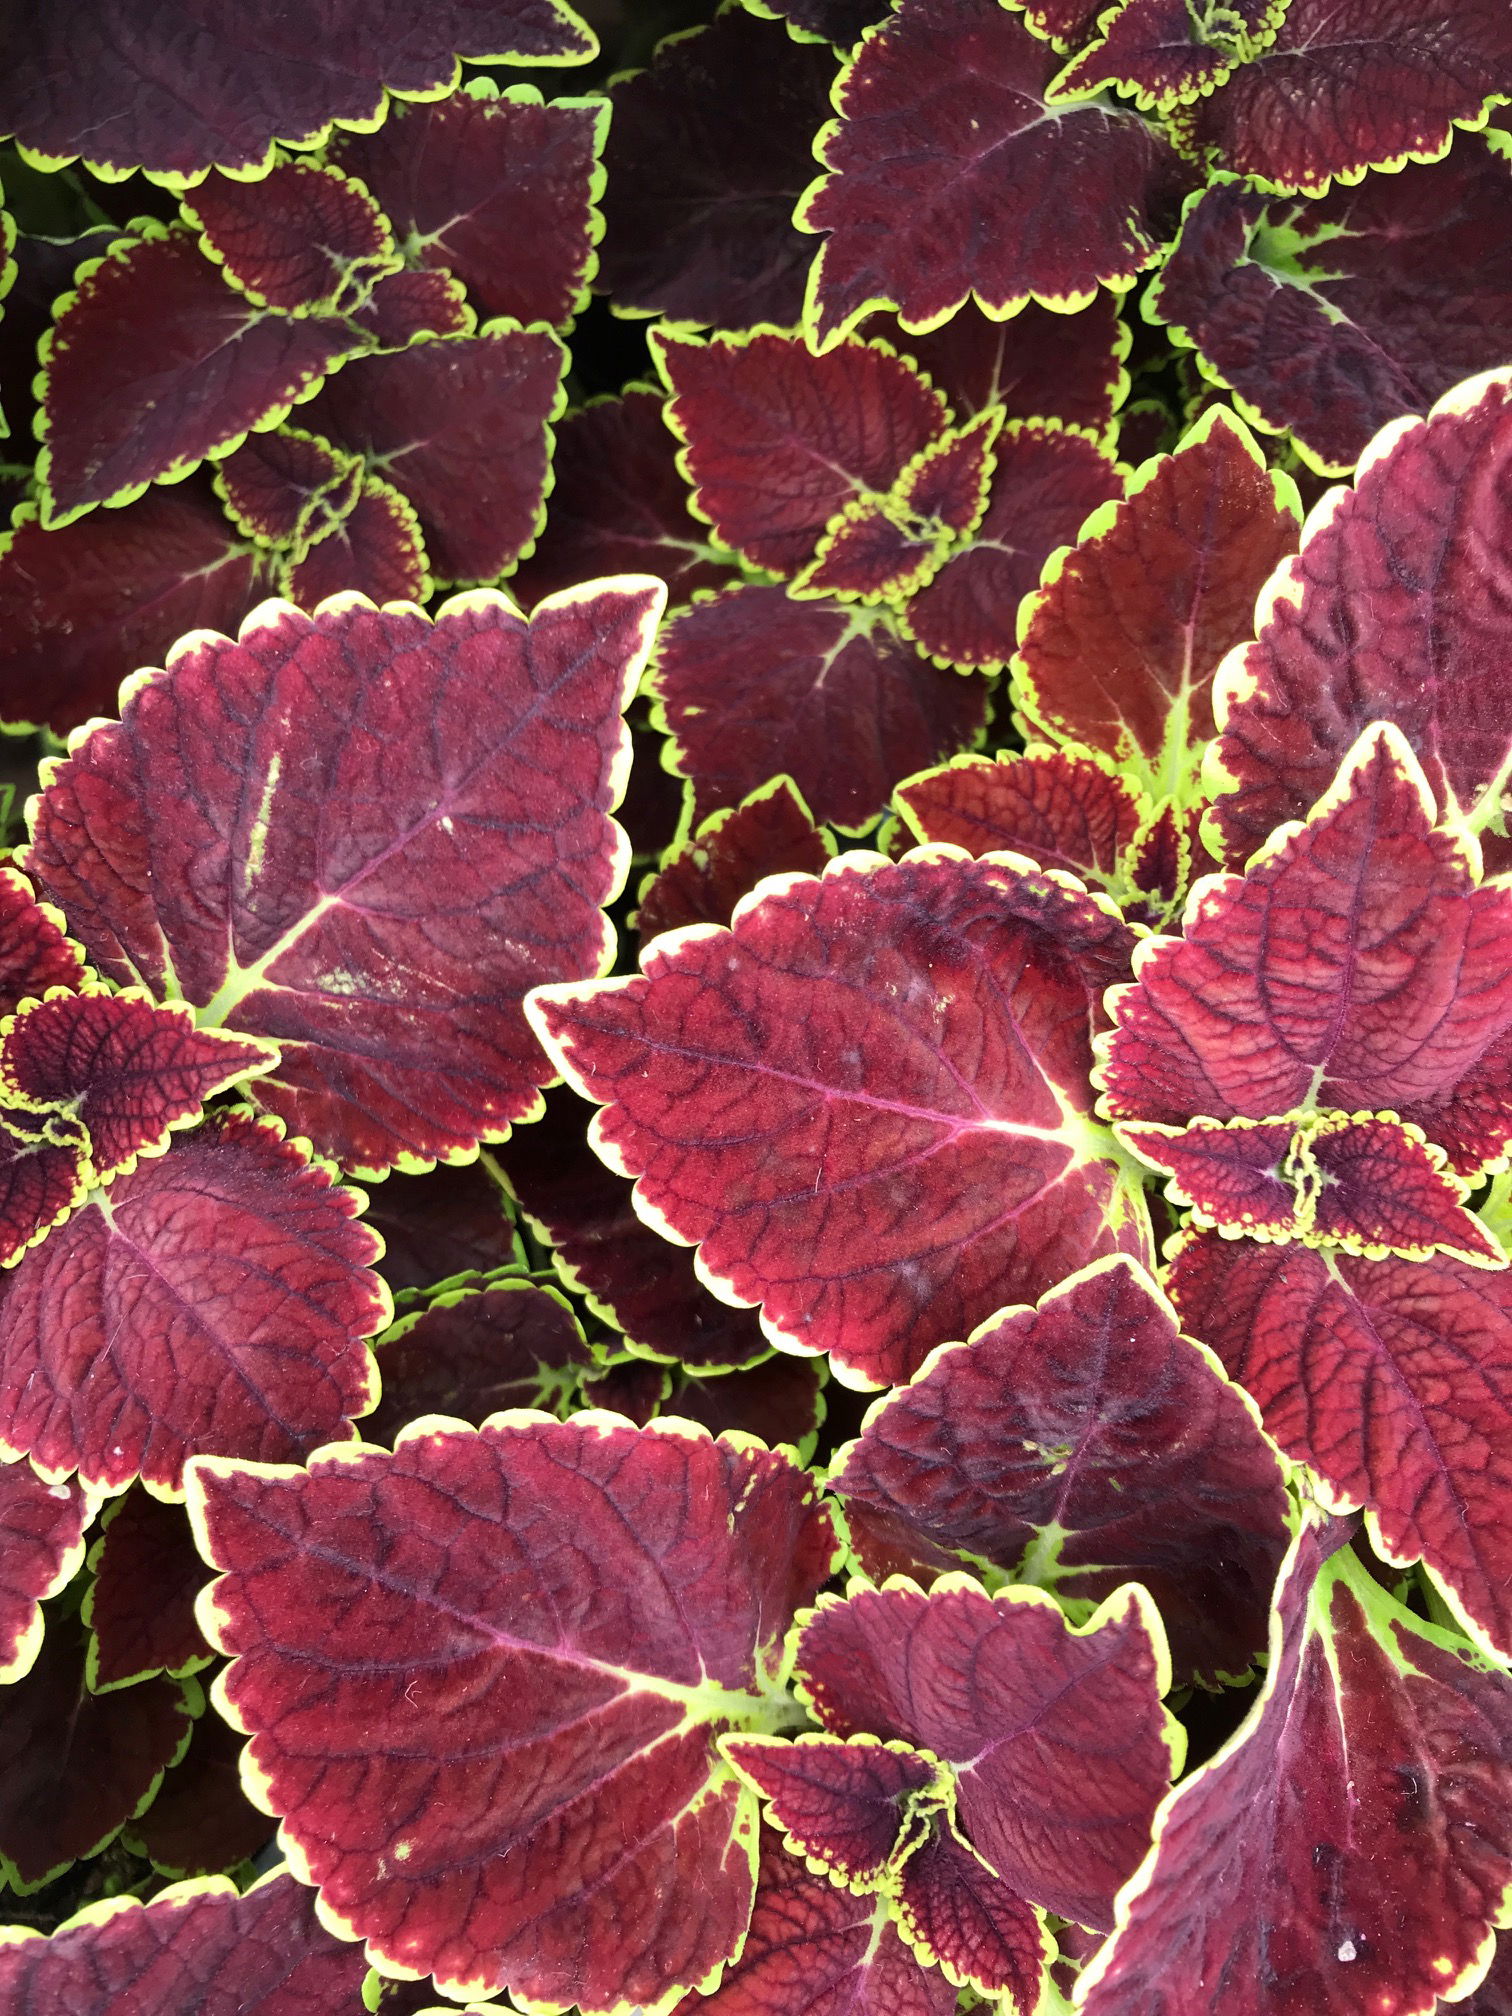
(41, 1548)
(541, 1708)
(867, 555)
(867, 1101)
(452, 1220)
(155, 363)
(708, 152)
(419, 302)
(1494, 1996)
(1064, 811)
(35, 952)
(196, 1946)
(619, 504)
(1038, 364)
(270, 482)
(1391, 1378)
(379, 900)
(1058, 1736)
(130, 86)
(846, 1805)
(1118, 649)
(498, 189)
(461, 426)
(949, 176)
(141, 1605)
(1348, 1848)
(201, 1822)
(215, 1299)
(1386, 613)
(473, 1351)
(83, 605)
(1161, 53)
(303, 237)
(75, 1766)
(769, 833)
(374, 547)
(781, 1400)
(1048, 481)
(757, 683)
(1378, 1187)
(43, 1174)
(956, 1914)
(779, 440)
(1237, 1176)
(1082, 1445)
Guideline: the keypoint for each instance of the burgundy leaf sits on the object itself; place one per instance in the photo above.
(1048, 480)
(867, 1101)
(82, 606)
(779, 440)
(44, 1172)
(76, 1766)
(1163, 859)
(1064, 811)
(140, 1606)
(129, 85)
(215, 1299)
(1039, 364)
(881, 1544)
(35, 952)
(500, 1687)
(155, 363)
(847, 1807)
(270, 484)
(866, 554)
(950, 175)
(373, 896)
(1164, 53)
(1091, 1434)
(1494, 1996)
(420, 302)
(303, 237)
(374, 547)
(1236, 1176)
(946, 484)
(195, 1946)
(757, 683)
(201, 1823)
(769, 833)
(1118, 649)
(708, 152)
(779, 1400)
(1058, 1736)
(460, 425)
(957, 1915)
(631, 1387)
(840, 21)
(498, 189)
(1380, 1188)
(41, 1549)
(1386, 613)
(1066, 23)
(452, 1220)
(1349, 1847)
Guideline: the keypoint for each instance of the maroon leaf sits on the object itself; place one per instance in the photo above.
(1349, 1847)
(76, 1766)
(1066, 23)
(1347, 85)
(35, 952)
(757, 683)
(867, 555)
(618, 504)
(1235, 1176)
(303, 237)
(129, 86)
(708, 152)
(422, 302)
(41, 1549)
(81, 607)
(1164, 53)
(1390, 1377)
(599, 1671)
(638, 1282)
(1356, 966)
(462, 426)
(780, 1400)
(1118, 649)
(1380, 1188)
(140, 1606)
(474, 1350)
(215, 1299)
(44, 1171)
(1064, 811)
(1039, 364)
(949, 175)
(1385, 614)
(956, 1914)
(201, 1821)
(155, 363)
(633, 1388)
(1083, 1445)
(374, 547)
(196, 1946)
(867, 1101)
(848, 1807)
(769, 833)
(498, 189)
(840, 21)
(1058, 1736)
(270, 484)
(453, 1220)
(381, 898)
(779, 440)
(1494, 1996)
(1048, 480)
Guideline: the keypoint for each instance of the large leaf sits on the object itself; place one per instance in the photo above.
(867, 1101)
(378, 900)
(1348, 1849)
(132, 83)
(537, 1803)
(41, 1548)
(302, 238)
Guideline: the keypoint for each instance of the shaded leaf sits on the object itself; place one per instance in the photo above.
(420, 302)
(769, 833)
(780, 1400)
(452, 1220)
(140, 1606)
(41, 1548)
(201, 1822)
(1038, 364)
(838, 21)
(303, 237)
(270, 483)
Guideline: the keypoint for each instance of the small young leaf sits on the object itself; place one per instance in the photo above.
(848, 1807)
(958, 1916)
(303, 238)
(769, 833)
(270, 483)
(373, 546)
(1164, 53)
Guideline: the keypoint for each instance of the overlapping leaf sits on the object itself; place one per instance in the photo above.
(140, 1606)
(41, 1548)
(769, 833)
(1164, 53)
(957, 1915)
(271, 482)
(421, 301)
(372, 545)
(452, 1220)
(200, 1822)
(1036, 365)
(44, 1170)
(781, 1400)
(848, 1807)
(304, 237)
(35, 952)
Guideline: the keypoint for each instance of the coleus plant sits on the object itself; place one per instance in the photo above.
(784, 583)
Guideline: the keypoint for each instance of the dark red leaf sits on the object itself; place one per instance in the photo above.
(1349, 1848)
(427, 836)
(868, 556)
(769, 833)
(215, 1299)
(498, 189)
(44, 268)
(757, 683)
(868, 1102)
(1379, 1188)
(270, 484)
(140, 1606)
(1063, 22)
(41, 1549)
(780, 1400)
(708, 152)
(462, 426)
(201, 1821)
(850, 1806)
(957, 1915)
(1083, 1445)
(453, 1220)
(1494, 1996)
(1237, 1176)
(947, 483)
(35, 952)
(374, 547)
(1163, 53)
(303, 237)
(594, 1674)
(632, 1387)
(155, 363)
(950, 175)
(1037, 365)
(881, 1544)
(44, 1171)
(1058, 1736)
(407, 305)
(1048, 480)
(129, 85)
(839, 21)
(1064, 811)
